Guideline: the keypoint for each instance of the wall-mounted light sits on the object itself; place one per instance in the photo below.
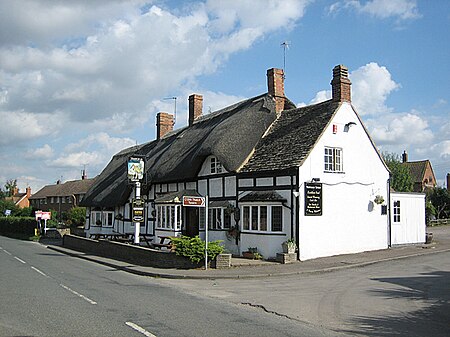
(296, 194)
(348, 125)
(315, 180)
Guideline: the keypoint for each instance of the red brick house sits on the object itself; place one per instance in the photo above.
(20, 199)
(421, 173)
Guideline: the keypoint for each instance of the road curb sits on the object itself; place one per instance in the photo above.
(137, 270)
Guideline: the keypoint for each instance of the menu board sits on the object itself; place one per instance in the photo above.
(313, 199)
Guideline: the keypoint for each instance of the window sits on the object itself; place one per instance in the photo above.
(218, 218)
(333, 159)
(168, 217)
(262, 218)
(102, 218)
(396, 210)
(216, 165)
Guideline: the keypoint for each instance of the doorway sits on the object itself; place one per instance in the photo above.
(191, 221)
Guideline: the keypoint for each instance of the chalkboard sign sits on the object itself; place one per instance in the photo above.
(313, 199)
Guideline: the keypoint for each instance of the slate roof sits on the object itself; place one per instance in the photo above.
(249, 129)
(302, 127)
(65, 189)
(417, 169)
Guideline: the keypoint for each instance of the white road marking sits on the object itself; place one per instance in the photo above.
(40, 272)
(139, 329)
(7, 252)
(20, 260)
(78, 294)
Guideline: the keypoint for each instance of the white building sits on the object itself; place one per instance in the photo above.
(271, 172)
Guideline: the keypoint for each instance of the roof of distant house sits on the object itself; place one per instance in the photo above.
(68, 188)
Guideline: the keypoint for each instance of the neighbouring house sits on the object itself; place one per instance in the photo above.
(271, 172)
(61, 197)
(20, 199)
(408, 221)
(421, 173)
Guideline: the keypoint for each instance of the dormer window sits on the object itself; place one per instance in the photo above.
(216, 166)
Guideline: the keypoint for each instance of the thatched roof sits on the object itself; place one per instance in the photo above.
(230, 134)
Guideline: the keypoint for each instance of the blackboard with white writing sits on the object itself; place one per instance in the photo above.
(313, 199)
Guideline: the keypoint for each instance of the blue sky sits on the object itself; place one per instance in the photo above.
(81, 80)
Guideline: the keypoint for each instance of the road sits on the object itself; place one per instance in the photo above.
(45, 293)
(406, 297)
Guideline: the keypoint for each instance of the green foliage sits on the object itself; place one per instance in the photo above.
(18, 225)
(439, 197)
(401, 180)
(194, 248)
(7, 204)
(10, 185)
(76, 216)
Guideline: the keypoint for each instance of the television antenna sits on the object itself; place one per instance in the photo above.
(174, 98)
(285, 45)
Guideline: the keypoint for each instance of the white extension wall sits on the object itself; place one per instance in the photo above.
(351, 221)
(412, 225)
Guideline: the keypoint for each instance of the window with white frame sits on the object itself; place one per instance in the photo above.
(102, 218)
(333, 159)
(262, 218)
(396, 210)
(216, 165)
(218, 218)
(168, 217)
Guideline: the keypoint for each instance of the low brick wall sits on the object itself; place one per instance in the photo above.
(141, 256)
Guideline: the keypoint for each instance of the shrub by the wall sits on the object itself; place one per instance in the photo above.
(20, 225)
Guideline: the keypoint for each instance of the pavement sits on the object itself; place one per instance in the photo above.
(245, 268)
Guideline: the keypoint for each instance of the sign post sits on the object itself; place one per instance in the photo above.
(135, 174)
(200, 202)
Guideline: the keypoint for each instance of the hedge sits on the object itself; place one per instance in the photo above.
(20, 225)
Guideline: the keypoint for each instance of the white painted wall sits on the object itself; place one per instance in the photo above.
(412, 225)
(351, 222)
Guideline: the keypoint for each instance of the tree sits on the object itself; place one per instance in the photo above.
(440, 199)
(10, 186)
(401, 180)
(76, 216)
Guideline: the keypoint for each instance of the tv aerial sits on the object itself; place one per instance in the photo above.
(285, 45)
(174, 98)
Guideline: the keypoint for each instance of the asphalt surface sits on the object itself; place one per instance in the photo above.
(243, 268)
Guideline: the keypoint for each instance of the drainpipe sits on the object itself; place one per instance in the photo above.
(389, 211)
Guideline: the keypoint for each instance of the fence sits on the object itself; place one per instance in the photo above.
(439, 222)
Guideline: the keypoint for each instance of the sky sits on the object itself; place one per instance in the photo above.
(82, 80)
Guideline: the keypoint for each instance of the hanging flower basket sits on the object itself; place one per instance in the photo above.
(379, 199)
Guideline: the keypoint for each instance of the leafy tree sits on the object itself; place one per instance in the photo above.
(76, 216)
(7, 204)
(10, 185)
(2, 194)
(401, 180)
(439, 197)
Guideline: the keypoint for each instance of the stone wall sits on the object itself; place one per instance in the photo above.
(138, 255)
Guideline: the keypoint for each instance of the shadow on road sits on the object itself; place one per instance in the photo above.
(433, 288)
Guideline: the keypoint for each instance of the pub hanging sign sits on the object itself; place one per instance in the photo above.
(313, 199)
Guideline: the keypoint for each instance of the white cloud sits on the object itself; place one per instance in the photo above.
(371, 85)
(44, 152)
(382, 9)
(77, 159)
(321, 96)
(20, 126)
(398, 128)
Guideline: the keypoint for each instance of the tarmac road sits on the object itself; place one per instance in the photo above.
(407, 297)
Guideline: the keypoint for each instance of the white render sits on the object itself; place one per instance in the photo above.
(412, 226)
(351, 222)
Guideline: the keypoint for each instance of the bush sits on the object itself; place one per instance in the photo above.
(194, 248)
(76, 216)
(19, 225)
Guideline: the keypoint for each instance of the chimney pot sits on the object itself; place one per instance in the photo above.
(340, 85)
(404, 157)
(275, 87)
(195, 107)
(164, 124)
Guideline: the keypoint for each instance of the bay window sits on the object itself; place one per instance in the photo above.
(262, 218)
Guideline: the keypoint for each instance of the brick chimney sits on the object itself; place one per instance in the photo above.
(164, 124)
(340, 85)
(28, 189)
(195, 107)
(404, 157)
(275, 87)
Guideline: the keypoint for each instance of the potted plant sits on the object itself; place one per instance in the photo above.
(379, 199)
(252, 253)
(289, 246)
